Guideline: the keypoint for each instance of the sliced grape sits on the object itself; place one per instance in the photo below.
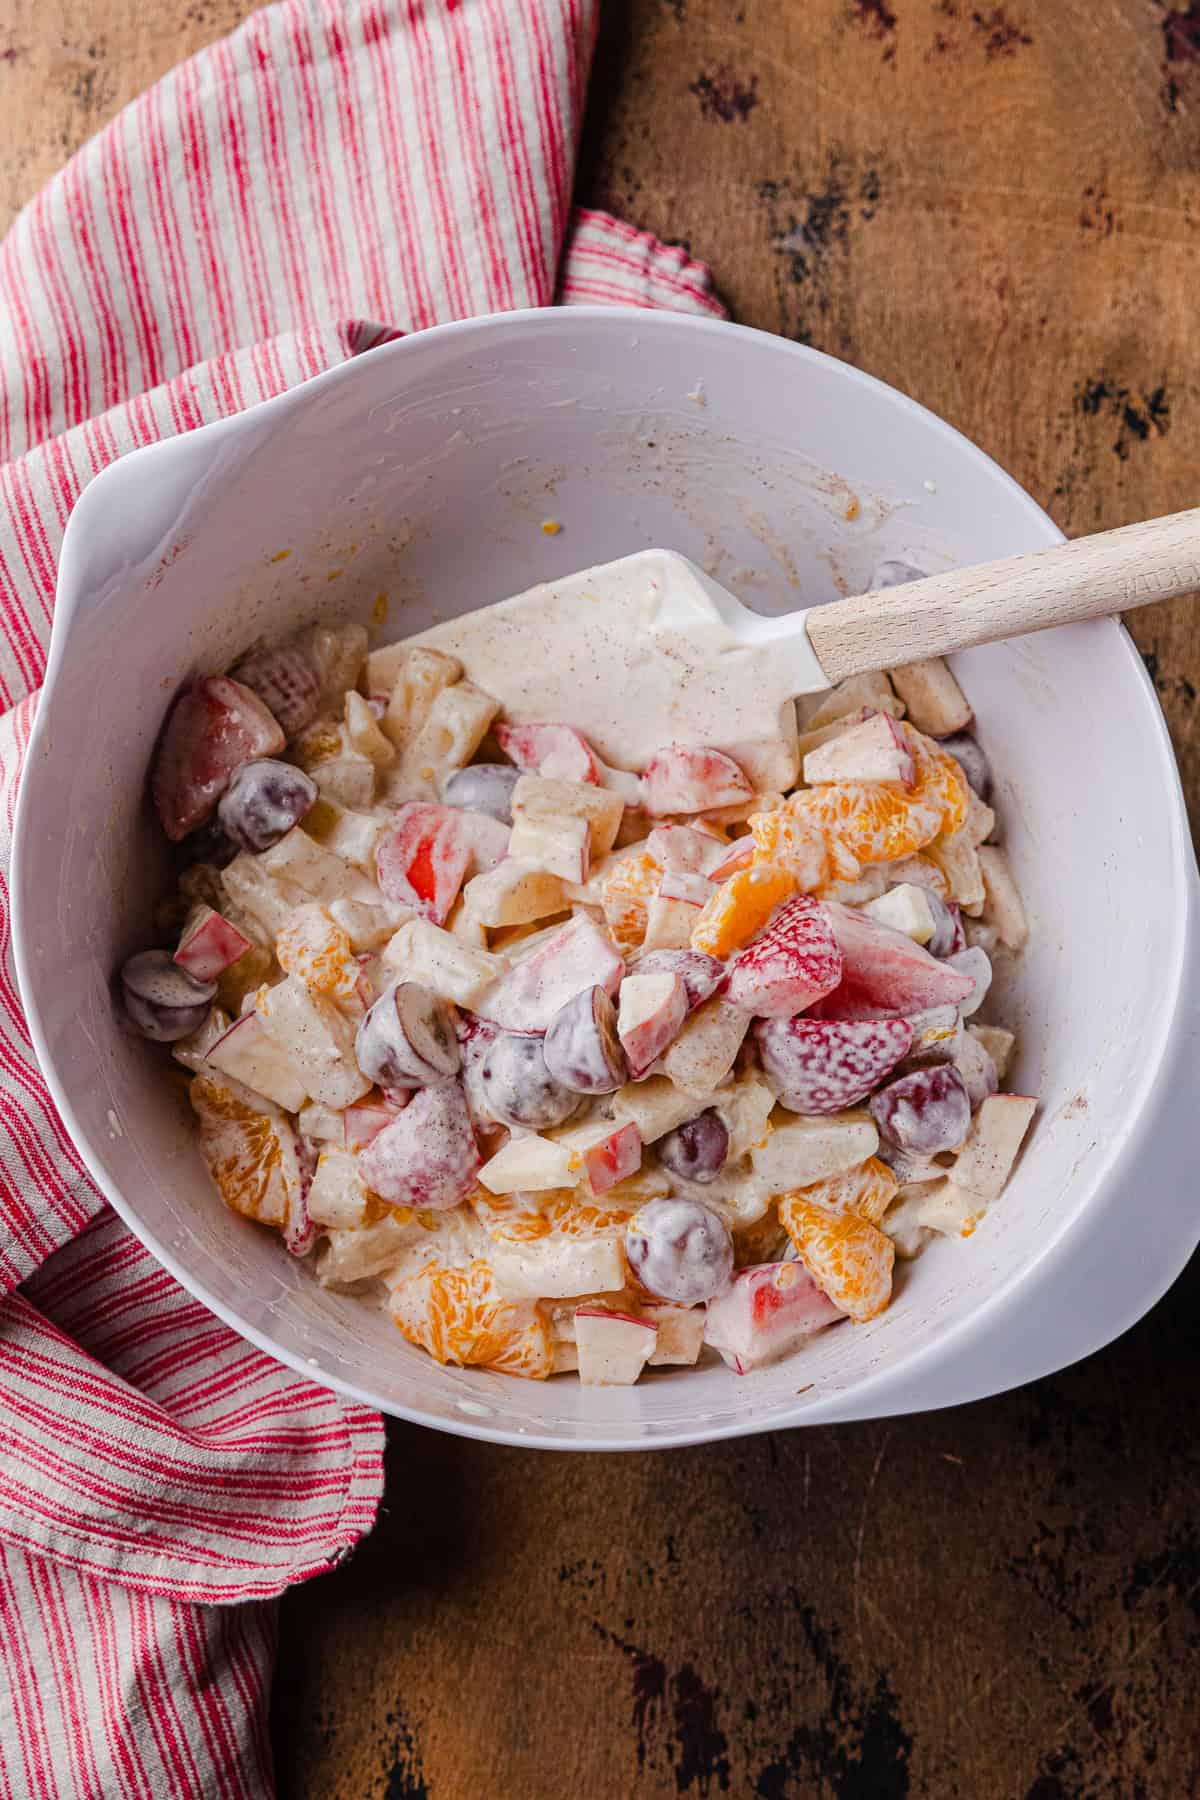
(700, 973)
(971, 760)
(679, 1250)
(518, 1088)
(696, 1150)
(925, 1112)
(163, 1000)
(581, 1046)
(485, 788)
(263, 802)
(407, 1038)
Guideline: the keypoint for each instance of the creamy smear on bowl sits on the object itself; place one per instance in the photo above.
(585, 1051)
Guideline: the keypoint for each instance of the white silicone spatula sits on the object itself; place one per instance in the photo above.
(649, 650)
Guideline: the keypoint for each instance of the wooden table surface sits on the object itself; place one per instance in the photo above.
(996, 209)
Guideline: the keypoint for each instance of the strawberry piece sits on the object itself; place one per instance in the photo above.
(427, 1157)
(792, 964)
(680, 779)
(581, 955)
(558, 752)
(884, 973)
(765, 1312)
(285, 679)
(423, 859)
(824, 1066)
(213, 728)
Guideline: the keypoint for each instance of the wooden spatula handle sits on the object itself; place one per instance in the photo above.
(1085, 579)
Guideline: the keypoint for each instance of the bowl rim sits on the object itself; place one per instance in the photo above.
(202, 442)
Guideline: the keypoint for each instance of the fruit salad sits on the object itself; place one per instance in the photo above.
(578, 1068)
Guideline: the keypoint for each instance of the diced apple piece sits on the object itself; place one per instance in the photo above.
(958, 859)
(346, 780)
(680, 1333)
(209, 944)
(576, 956)
(948, 1209)
(706, 1048)
(366, 924)
(669, 923)
(457, 724)
(536, 799)
(269, 900)
(338, 1196)
(980, 821)
(318, 1038)
(449, 968)
(876, 750)
(558, 752)
(486, 838)
(682, 779)
(997, 1042)
(215, 725)
(427, 1158)
(556, 1268)
(765, 1312)
(902, 1223)
(977, 1069)
(682, 847)
(850, 696)
(423, 859)
(363, 1122)
(348, 834)
(905, 908)
(936, 704)
(605, 1152)
(990, 1150)
(655, 1106)
(702, 975)
(320, 1124)
(418, 677)
(528, 1164)
(770, 765)
(1002, 906)
(370, 1251)
(298, 858)
(800, 1150)
(745, 1109)
(651, 1011)
(682, 884)
(251, 1057)
(364, 733)
(193, 1051)
(560, 846)
(735, 859)
(339, 652)
(383, 670)
(613, 1348)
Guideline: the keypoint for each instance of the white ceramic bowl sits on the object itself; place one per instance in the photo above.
(425, 471)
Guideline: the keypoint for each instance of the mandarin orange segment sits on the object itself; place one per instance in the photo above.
(879, 822)
(571, 1216)
(810, 853)
(315, 949)
(459, 1317)
(740, 908)
(628, 888)
(249, 1150)
(512, 1218)
(867, 1190)
(849, 1259)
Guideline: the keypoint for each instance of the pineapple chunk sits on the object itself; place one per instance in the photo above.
(1002, 906)
(800, 1151)
(338, 1196)
(514, 893)
(317, 1037)
(537, 798)
(417, 678)
(936, 704)
(997, 1130)
(364, 734)
(456, 725)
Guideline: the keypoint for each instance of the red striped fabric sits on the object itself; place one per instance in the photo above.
(233, 232)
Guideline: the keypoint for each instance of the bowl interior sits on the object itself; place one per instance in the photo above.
(424, 473)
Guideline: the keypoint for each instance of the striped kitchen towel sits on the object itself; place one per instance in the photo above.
(326, 177)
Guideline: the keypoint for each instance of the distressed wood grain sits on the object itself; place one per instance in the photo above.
(996, 208)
